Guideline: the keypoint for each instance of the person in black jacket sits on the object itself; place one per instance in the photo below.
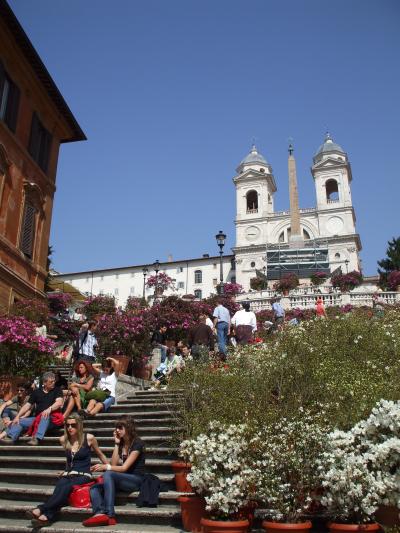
(158, 341)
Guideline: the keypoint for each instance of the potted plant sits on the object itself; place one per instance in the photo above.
(161, 282)
(286, 454)
(359, 469)
(347, 282)
(258, 284)
(287, 283)
(99, 305)
(232, 289)
(317, 278)
(393, 280)
(221, 474)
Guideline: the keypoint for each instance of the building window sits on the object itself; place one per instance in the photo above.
(332, 191)
(198, 276)
(285, 235)
(132, 291)
(252, 202)
(87, 280)
(116, 291)
(39, 143)
(198, 294)
(179, 270)
(306, 235)
(252, 264)
(28, 229)
(181, 285)
(233, 263)
(337, 255)
(214, 266)
(9, 100)
(101, 278)
(215, 282)
(132, 274)
(101, 292)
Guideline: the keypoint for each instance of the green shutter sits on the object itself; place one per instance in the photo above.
(28, 230)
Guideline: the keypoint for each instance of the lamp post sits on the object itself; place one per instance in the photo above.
(347, 265)
(264, 269)
(220, 238)
(156, 266)
(145, 271)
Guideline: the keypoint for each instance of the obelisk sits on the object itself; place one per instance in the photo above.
(296, 237)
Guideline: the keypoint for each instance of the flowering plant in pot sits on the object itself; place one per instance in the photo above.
(359, 469)
(393, 280)
(232, 289)
(286, 454)
(258, 284)
(98, 305)
(347, 282)
(221, 473)
(317, 278)
(287, 282)
(161, 281)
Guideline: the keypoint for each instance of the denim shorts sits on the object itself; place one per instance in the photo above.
(108, 402)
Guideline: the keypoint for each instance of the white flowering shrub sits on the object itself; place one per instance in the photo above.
(221, 469)
(360, 469)
(286, 459)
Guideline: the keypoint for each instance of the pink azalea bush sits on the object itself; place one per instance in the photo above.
(347, 282)
(232, 288)
(58, 302)
(393, 280)
(317, 278)
(98, 305)
(287, 282)
(161, 281)
(22, 352)
(32, 309)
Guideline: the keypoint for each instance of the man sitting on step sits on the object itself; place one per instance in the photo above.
(46, 403)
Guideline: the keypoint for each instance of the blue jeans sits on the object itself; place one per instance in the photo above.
(108, 402)
(222, 336)
(102, 495)
(14, 431)
(163, 353)
(9, 413)
(60, 496)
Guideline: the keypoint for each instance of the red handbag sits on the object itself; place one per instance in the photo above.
(80, 494)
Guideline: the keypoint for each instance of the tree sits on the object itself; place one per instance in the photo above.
(391, 262)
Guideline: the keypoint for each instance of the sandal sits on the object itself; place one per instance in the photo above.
(36, 522)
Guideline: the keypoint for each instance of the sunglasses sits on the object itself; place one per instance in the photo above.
(120, 426)
(21, 390)
(70, 425)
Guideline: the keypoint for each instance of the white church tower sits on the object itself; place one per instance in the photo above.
(336, 217)
(255, 188)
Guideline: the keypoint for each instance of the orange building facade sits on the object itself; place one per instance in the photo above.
(34, 121)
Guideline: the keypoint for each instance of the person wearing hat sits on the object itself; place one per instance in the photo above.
(82, 383)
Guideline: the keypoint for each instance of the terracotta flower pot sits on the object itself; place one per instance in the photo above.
(274, 527)
(124, 361)
(143, 372)
(336, 527)
(181, 470)
(193, 508)
(224, 526)
(388, 516)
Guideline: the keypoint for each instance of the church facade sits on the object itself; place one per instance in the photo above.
(260, 230)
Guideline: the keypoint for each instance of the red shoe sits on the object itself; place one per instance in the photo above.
(98, 520)
(112, 521)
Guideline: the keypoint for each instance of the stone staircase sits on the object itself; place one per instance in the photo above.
(28, 474)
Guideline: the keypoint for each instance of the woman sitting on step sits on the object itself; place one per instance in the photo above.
(125, 473)
(82, 384)
(78, 446)
(102, 398)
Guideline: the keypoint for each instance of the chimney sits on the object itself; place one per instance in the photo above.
(169, 258)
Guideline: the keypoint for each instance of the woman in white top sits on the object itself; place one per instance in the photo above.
(101, 399)
(244, 323)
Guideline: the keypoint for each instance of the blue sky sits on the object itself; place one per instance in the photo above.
(170, 94)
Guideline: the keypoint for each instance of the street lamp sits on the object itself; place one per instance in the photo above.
(347, 265)
(156, 266)
(220, 238)
(145, 271)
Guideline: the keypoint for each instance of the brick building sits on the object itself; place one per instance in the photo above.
(34, 121)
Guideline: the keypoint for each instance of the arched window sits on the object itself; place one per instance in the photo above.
(252, 202)
(337, 255)
(284, 236)
(198, 276)
(306, 235)
(198, 294)
(332, 191)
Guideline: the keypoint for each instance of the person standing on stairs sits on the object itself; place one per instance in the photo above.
(78, 446)
(125, 473)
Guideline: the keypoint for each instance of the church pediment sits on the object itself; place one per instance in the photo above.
(329, 162)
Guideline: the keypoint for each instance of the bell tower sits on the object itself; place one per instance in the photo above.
(255, 188)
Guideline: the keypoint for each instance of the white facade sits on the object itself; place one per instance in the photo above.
(330, 224)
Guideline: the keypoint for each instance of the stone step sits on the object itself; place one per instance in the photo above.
(40, 463)
(138, 414)
(16, 450)
(106, 430)
(126, 514)
(37, 494)
(165, 403)
(149, 440)
(133, 408)
(140, 422)
(22, 476)
(22, 525)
